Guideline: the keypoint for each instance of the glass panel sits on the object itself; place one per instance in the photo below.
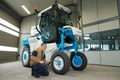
(91, 42)
(104, 40)
(47, 26)
(63, 18)
(110, 40)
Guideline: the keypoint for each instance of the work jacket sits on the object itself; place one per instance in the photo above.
(36, 59)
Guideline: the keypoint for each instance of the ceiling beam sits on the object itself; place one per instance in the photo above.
(4, 6)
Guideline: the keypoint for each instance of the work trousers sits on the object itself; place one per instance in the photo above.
(39, 69)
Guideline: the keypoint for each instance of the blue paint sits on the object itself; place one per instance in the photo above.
(67, 32)
(43, 39)
(75, 45)
(26, 42)
(25, 56)
(58, 62)
(77, 61)
(62, 37)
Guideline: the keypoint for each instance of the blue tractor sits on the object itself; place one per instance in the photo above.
(56, 30)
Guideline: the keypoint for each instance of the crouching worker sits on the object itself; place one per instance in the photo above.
(38, 62)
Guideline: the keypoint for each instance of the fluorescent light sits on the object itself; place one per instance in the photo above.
(9, 25)
(2, 28)
(25, 9)
(10, 49)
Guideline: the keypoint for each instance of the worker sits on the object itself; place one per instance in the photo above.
(38, 62)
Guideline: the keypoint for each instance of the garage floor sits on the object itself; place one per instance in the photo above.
(15, 71)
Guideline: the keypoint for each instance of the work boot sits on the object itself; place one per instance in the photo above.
(36, 76)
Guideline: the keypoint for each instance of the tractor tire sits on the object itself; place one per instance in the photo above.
(61, 63)
(26, 57)
(79, 61)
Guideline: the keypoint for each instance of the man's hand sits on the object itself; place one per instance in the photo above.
(49, 62)
(42, 62)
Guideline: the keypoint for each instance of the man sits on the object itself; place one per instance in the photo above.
(38, 62)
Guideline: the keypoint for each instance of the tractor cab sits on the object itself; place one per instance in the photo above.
(51, 19)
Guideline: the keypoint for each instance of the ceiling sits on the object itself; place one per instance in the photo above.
(41, 4)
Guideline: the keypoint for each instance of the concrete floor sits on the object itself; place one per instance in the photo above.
(15, 71)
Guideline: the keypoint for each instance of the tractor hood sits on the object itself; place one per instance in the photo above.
(75, 30)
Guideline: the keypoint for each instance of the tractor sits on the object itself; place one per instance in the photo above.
(54, 27)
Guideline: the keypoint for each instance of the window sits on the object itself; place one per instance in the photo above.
(110, 40)
(6, 48)
(9, 25)
(8, 28)
(91, 42)
(104, 40)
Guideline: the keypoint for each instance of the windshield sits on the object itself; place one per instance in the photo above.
(50, 21)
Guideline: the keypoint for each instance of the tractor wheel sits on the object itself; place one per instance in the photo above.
(79, 61)
(61, 63)
(26, 57)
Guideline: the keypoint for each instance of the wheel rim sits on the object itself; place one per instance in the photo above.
(25, 57)
(58, 63)
(77, 61)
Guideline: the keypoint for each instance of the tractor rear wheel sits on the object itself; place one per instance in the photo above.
(26, 57)
(61, 63)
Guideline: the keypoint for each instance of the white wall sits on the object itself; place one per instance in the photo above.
(89, 11)
(111, 58)
(94, 10)
(107, 9)
(93, 57)
(109, 25)
(90, 29)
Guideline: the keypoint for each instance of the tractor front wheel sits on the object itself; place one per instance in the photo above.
(78, 61)
(61, 63)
